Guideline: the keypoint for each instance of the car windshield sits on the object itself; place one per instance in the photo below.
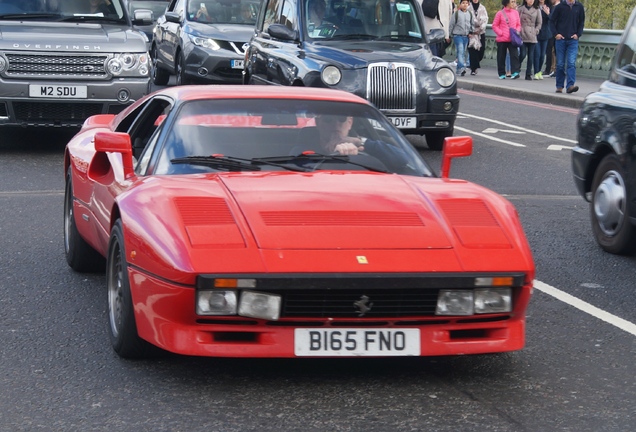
(62, 10)
(223, 12)
(373, 19)
(158, 7)
(284, 135)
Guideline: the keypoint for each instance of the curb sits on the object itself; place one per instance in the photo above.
(564, 99)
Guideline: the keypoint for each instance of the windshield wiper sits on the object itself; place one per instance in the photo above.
(317, 157)
(352, 36)
(399, 38)
(88, 18)
(232, 163)
(26, 15)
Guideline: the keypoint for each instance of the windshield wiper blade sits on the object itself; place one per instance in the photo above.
(26, 15)
(222, 162)
(87, 18)
(352, 36)
(313, 156)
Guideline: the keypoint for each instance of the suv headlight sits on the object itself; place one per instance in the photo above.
(128, 64)
(445, 77)
(205, 42)
(3, 63)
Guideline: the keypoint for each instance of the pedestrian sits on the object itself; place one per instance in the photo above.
(441, 19)
(567, 21)
(461, 26)
(477, 42)
(550, 55)
(542, 39)
(530, 17)
(505, 19)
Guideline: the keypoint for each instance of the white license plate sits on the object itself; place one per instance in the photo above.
(403, 122)
(58, 91)
(354, 342)
(237, 64)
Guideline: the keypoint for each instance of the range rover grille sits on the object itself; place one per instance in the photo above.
(57, 66)
(391, 86)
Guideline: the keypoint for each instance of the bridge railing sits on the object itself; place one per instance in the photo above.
(596, 51)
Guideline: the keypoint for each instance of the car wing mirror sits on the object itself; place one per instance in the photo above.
(436, 36)
(115, 142)
(454, 147)
(143, 17)
(282, 32)
(172, 17)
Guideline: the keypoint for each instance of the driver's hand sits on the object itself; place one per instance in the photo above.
(348, 149)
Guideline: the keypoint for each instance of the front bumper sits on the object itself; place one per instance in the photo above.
(436, 119)
(17, 108)
(213, 67)
(165, 317)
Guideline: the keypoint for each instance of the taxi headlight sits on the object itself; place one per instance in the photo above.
(493, 300)
(445, 77)
(216, 302)
(331, 75)
(255, 304)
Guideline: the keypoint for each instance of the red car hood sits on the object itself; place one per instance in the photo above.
(337, 211)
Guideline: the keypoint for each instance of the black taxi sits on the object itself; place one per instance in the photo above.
(376, 49)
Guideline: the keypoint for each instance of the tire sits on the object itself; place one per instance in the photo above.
(122, 327)
(159, 76)
(182, 79)
(435, 140)
(80, 256)
(608, 210)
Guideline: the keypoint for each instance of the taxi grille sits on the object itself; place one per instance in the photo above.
(57, 66)
(391, 86)
(385, 303)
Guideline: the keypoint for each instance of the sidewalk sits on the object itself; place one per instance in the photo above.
(544, 91)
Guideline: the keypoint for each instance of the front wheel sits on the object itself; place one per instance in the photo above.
(159, 76)
(609, 215)
(80, 256)
(435, 140)
(121, 317)
(182, 79)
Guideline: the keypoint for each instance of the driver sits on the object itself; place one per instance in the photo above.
(317, 9)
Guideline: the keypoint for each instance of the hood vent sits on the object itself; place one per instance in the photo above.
(468, 213)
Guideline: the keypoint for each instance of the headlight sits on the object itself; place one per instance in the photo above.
(259, 305)
(455, 302)
(331, 75)
(445, 77)
(493, 300)
(128, 64)
(216, 302)
(205, 42)
(3, 63)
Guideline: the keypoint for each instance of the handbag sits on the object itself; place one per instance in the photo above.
(515, 37)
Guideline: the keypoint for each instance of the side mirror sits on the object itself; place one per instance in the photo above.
(116, 142)
(173, 17)
(281, 32)
(454, 147)
(143, 17)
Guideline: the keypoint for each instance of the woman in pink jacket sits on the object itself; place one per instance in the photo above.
(505, 19)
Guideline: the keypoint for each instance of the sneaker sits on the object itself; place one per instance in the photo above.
(538, 76)
(528, 78)
(502, 76)
(551, 74)
(559, 90)
(572, 89)
(515, 75)
(463, 72)
(473, 72)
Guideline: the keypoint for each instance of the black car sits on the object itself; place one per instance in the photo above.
(376, 49)
(202, 41)
(604, 161)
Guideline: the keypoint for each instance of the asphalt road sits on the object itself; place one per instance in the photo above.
(58, 372)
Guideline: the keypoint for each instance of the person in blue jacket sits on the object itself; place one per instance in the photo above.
(566, 23)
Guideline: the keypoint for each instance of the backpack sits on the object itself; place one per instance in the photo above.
(430, 8)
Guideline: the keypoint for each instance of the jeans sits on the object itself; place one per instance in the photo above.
(527, 52)
(566, 52)
(461, 42)
(539, 54)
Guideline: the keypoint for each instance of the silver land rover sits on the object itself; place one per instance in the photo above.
(62, 61)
